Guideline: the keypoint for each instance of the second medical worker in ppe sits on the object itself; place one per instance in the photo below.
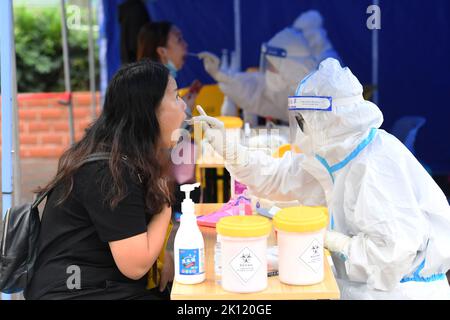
(285, 59)
(310, 24)
(390, 223)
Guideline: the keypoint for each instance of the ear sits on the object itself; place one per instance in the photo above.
(162, 53)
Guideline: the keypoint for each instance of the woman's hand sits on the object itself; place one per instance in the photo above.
(167, 271)
(191, 95)
(189, 99)
(135, 263)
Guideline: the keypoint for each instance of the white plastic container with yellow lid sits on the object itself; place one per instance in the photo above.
(300, 236)
(243, 252)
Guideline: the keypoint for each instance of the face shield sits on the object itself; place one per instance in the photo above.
(301, 135)
(285, 60)
(282, 71)
(271, 60)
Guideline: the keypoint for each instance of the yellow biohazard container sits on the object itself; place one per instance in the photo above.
(300, 237)
(243, 258)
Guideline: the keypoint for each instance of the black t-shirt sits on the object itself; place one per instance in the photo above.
(74, 239)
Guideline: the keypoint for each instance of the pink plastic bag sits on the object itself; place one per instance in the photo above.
(231, 208)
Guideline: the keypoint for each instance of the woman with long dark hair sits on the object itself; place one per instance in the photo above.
(105, 222)
(163, 41)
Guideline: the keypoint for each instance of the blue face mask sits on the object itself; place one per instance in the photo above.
(172, 69)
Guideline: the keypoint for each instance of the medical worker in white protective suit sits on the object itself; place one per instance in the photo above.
(390, 223)
(289, 56)
(310, 24)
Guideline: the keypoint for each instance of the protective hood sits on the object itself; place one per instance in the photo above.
(311, 19)
(286, 59)
(310, 24)
(335, 132)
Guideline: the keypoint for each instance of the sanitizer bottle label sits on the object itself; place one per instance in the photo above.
(191, 261)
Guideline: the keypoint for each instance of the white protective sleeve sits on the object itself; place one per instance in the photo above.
(248, 91)
(387, 226)
(278, 179)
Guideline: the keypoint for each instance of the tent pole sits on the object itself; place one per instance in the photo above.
(68, 89)
(91, 62)
(237, 32)
(102, 44)
(375, 32)
(7, 91)
(248, 117)
(17, 194)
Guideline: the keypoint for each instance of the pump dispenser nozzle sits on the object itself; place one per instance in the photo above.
(187, 206)
(187, 188)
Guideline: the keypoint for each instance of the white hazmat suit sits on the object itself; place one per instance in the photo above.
(390, 223)
(310, 23)
(264, 93)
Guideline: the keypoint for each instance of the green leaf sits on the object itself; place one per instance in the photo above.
(39, 51)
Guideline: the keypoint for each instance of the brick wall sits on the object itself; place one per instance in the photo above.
(44, 122)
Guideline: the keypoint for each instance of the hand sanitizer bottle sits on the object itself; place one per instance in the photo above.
(189, 246)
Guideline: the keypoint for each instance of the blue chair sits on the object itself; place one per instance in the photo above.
(406, 128)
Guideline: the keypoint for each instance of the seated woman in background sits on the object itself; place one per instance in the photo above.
(163, 42)
(105, 223)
